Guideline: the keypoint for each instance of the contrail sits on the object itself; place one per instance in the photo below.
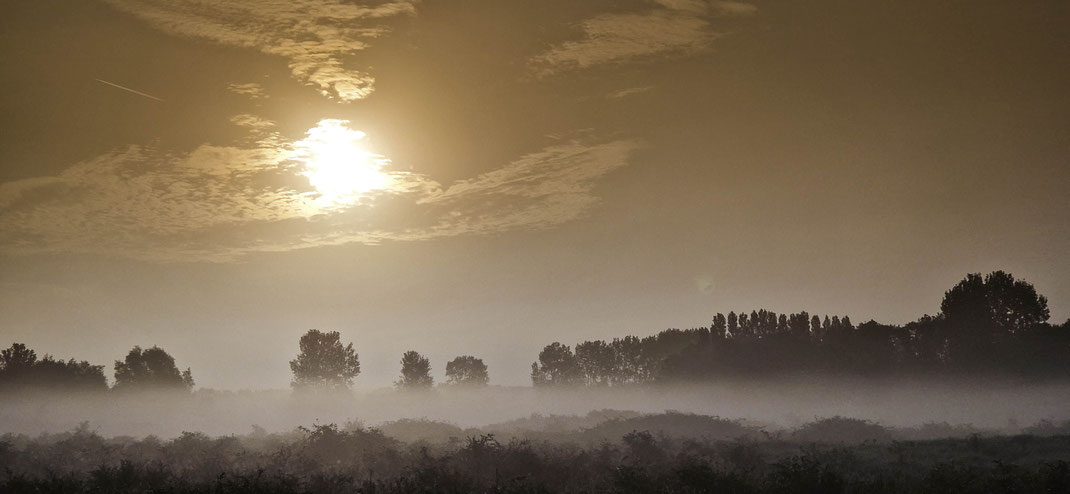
(128, 89)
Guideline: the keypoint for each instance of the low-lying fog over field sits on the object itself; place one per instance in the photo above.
(997, 405)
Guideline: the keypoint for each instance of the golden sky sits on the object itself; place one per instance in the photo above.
(484, 177)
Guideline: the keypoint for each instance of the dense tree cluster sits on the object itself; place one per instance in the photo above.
(991, 323)
(154, 368)
(20, 368)
(151, 369)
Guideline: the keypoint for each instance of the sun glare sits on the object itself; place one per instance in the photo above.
(335, 164)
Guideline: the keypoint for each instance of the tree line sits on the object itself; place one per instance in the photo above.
(20, 368)
(322, 363)
(986, 324)
(993, 323)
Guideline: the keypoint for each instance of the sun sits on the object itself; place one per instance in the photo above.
(335, 164)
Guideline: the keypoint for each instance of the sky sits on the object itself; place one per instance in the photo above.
(479, 177)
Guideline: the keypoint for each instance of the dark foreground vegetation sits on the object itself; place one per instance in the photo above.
(671, 453)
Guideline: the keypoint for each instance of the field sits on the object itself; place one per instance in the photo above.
(302, 443)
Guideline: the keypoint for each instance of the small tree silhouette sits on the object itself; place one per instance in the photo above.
(415, 372)
(151, 368)
(466, 370)
(324, 362)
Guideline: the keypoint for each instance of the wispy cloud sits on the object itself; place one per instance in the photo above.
(258, 127)
(218, 203)
(314, 35)
(250, 89)
(624, 93)
(679, 27)
(734, 8)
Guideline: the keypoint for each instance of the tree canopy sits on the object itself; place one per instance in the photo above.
(415, 371)
(466, 370)
(21, 369)
(323, 362)
(153, 368)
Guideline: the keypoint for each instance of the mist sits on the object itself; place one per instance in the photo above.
(995, 404)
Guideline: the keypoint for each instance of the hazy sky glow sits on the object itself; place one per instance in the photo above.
(485, 177)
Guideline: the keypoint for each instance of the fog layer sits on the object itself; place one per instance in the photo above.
(1004, 405)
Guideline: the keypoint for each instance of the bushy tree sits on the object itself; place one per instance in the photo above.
(153, 368)
(466, 370)
(415, 371)
(981, 317)
(557, 365)
(997, 301)
(323, 362)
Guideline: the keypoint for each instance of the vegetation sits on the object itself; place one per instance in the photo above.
(324, 362)
(993, 325)
(150, 369)
(837, 457)
(415, 372)
(466, 370)
(21, 369)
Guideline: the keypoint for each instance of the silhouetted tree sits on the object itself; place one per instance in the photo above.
(733, 324)
(983, 314)
(596, 361)
(719, 327)
(151, 368)
(466, 370)
(633, 363)
(17, 360)
(997, 301)
(744, 325)
(556, 366)
(799, 324)
(415, 372)
(323, 362)
(21, 369)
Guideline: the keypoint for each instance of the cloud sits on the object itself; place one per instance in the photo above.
(314, 35)
(219, 203)
(251, 121)
(735, 8)
(250, 89)
(680, 27)
(624, 93)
